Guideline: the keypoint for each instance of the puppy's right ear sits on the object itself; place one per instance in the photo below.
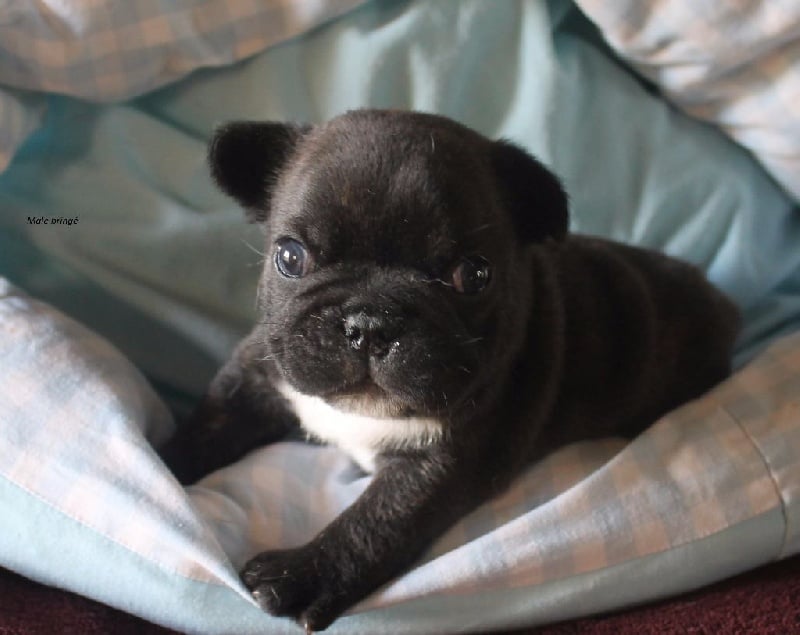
(246, 158)
(533, 194)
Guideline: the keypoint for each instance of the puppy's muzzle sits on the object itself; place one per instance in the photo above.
(371, 333)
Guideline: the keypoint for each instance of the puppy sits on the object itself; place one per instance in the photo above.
(424, 308)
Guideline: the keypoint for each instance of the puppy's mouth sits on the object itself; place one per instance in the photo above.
(368, 399)
(388, 362)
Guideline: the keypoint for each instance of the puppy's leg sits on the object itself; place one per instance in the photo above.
(241, 411)
(411, 500)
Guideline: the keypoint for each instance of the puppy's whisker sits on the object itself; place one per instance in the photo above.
(253, 249)
(481, 228)
(436, 281)
(473, 340)
(275, 577)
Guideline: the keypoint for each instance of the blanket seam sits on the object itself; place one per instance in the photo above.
(772, 478)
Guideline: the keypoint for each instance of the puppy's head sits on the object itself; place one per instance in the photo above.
(396, 280)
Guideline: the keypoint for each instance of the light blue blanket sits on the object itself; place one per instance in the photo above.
(162, 265)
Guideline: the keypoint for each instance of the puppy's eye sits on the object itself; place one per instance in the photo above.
(292, 258)
(471, 275)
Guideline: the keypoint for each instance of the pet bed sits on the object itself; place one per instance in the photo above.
(108, 214)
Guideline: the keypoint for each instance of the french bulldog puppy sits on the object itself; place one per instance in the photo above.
(423, 307)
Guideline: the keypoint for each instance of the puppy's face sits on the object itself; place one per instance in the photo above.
(396, 282)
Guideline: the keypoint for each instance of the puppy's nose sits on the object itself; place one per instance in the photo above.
(365, 332)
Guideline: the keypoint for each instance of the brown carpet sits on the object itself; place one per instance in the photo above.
(766, 600)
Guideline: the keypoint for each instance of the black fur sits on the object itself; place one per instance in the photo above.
(573, 338)
(245, 158)
(526, 185)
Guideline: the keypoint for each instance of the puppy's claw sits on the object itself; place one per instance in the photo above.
(266, 600)
(290, 583)
(312, 623)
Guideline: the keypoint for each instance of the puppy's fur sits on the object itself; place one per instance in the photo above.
(423, 307)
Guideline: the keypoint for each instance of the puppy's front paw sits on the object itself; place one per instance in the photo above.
(296, 583)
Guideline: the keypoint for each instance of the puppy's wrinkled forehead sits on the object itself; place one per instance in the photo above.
(373, 178)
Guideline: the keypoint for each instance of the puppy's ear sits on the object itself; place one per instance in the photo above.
(532, 193)
(246, 157)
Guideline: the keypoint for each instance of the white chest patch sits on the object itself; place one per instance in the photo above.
(362, 437)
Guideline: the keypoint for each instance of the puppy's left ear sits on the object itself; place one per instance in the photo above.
(246, 157)
(533, 194)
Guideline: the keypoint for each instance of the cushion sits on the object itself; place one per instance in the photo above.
(730, 63)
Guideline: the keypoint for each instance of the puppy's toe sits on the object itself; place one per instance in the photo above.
(268, 599)
(320, 614)
(279, 581)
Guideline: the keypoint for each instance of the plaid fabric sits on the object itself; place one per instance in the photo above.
(735, 64)
(107, 50)
(114, 49)
(73, 421)
(20, 115)
(74, 416)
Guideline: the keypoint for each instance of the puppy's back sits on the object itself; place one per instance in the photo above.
(643, 334)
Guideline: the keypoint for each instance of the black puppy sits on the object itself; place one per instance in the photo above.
(424, 308)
